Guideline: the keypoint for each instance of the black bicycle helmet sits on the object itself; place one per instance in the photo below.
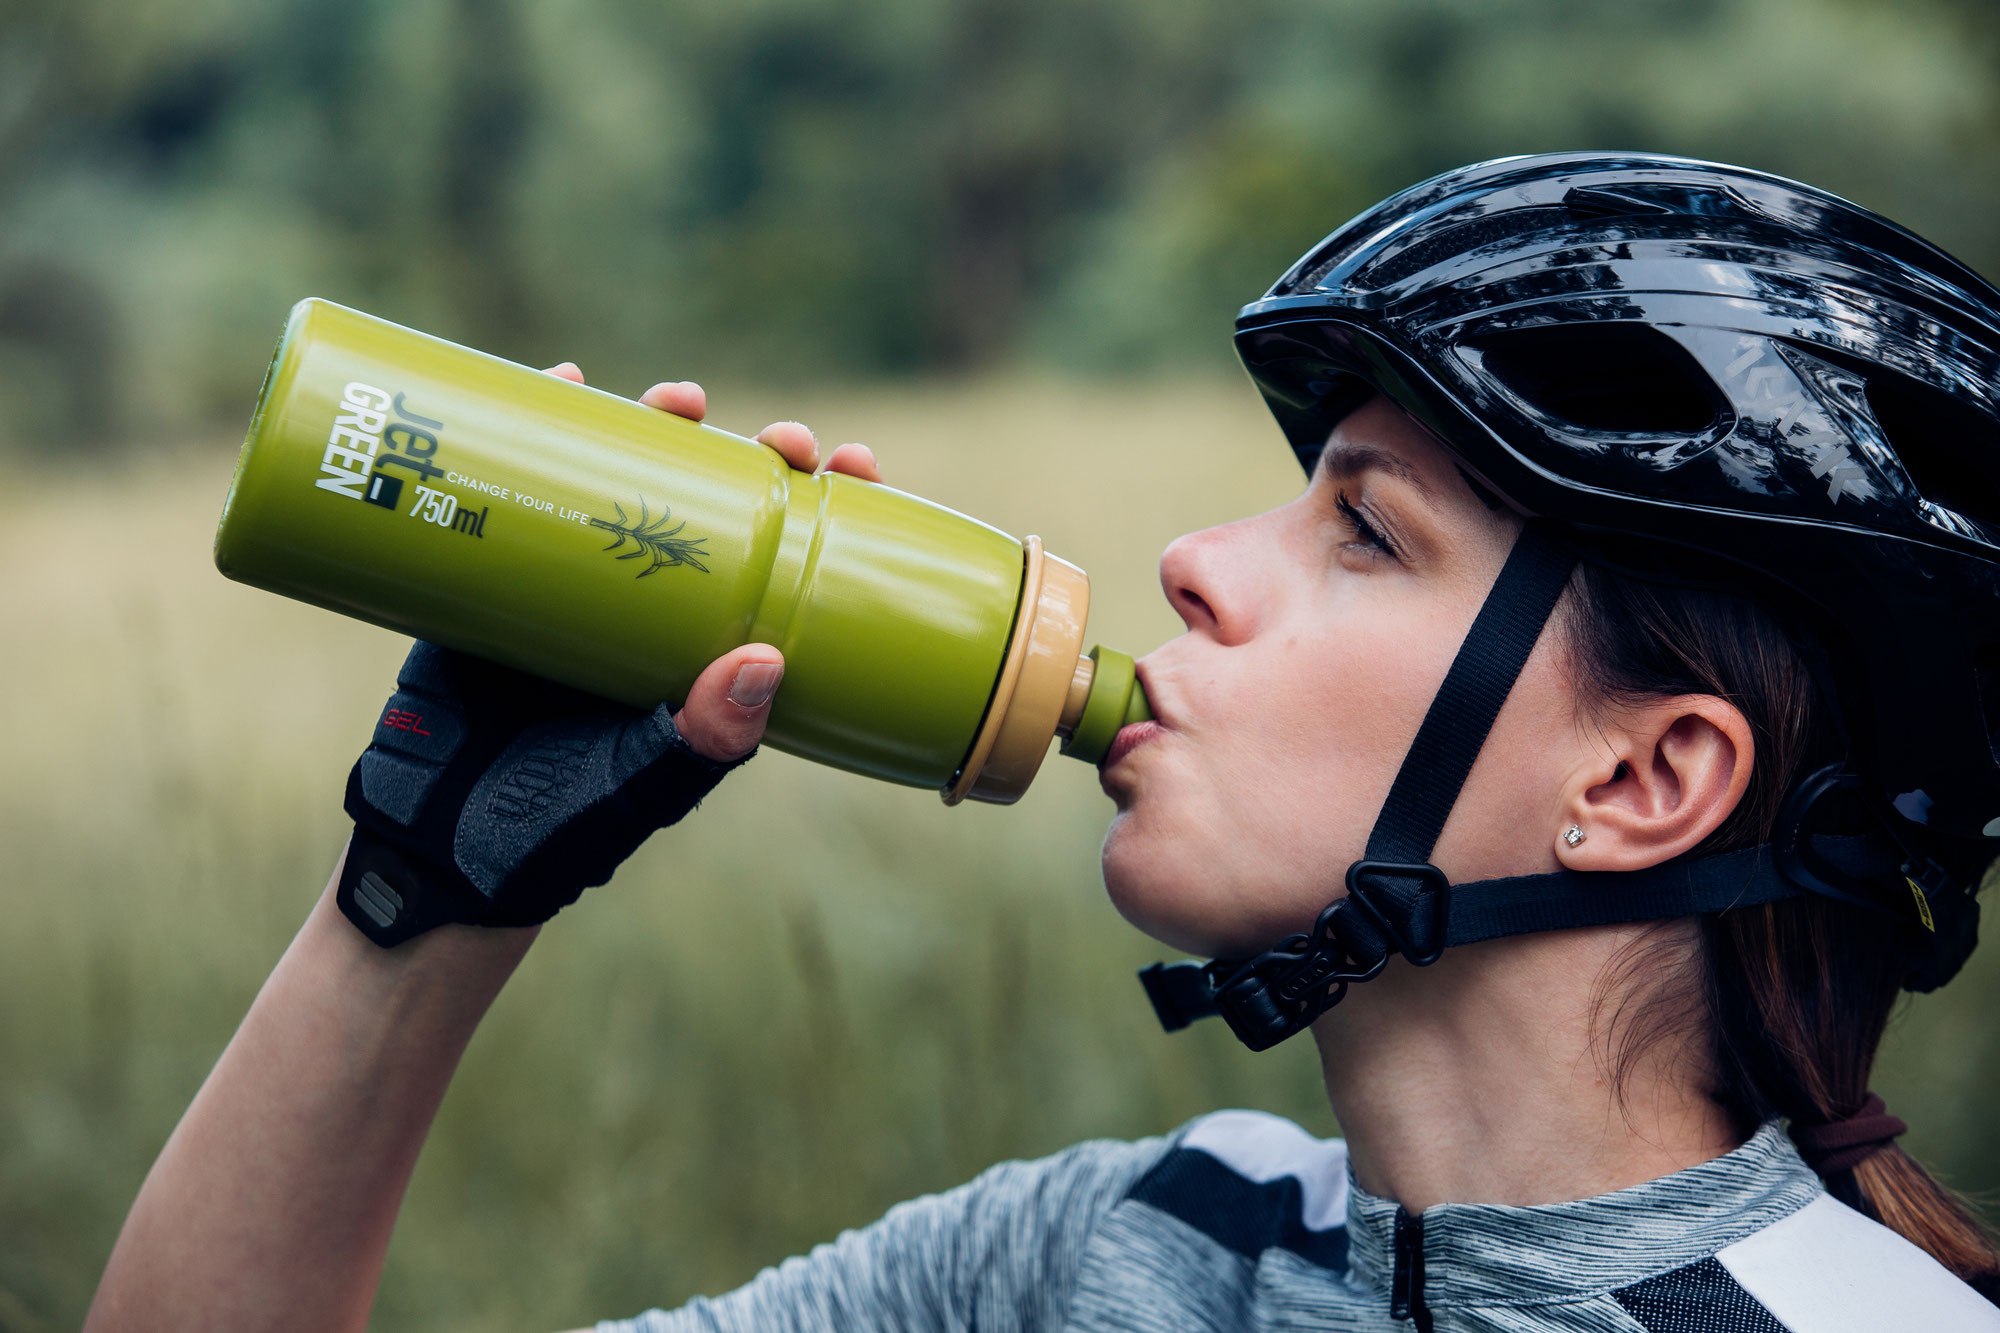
(1694, 372)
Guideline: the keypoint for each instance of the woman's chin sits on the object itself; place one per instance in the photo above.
(1170, 897)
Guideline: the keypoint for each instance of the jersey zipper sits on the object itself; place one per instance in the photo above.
(1406, 1287)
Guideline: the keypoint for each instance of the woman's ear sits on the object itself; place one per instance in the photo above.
(1669, 773)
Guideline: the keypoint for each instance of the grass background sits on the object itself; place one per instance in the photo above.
(819, 996)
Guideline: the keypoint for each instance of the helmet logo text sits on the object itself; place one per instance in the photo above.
(1775, 388)
(1838, 467)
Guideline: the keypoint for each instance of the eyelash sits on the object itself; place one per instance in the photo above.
(1365, 530)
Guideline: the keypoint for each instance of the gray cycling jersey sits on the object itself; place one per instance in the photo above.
(1243, 1221)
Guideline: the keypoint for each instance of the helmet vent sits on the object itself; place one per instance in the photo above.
(1950, 448)
(1627, 379)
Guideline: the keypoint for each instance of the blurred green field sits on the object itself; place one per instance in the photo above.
(817, 997)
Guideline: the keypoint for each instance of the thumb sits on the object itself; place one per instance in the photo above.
(724, 716)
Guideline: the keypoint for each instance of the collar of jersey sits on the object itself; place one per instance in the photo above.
(1488, 1254)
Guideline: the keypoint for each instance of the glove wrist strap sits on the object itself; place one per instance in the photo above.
(391, 897)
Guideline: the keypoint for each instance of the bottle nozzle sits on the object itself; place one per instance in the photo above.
(1104, 696)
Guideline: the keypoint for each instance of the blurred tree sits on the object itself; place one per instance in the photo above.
(61, 325)
(789, 188)
(486, 121)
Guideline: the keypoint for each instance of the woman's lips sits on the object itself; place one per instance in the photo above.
(1128, 739)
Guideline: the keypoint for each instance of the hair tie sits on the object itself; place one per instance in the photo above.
(1842, 1145)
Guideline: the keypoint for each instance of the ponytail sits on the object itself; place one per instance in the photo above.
(1798, 994)
(1793, 996)
(1904, 1197)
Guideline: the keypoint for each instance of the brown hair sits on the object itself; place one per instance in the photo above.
(1787, 1001)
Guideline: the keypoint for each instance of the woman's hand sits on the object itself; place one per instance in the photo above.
(729, 703)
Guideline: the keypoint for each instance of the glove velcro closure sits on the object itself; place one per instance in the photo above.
(391, 896)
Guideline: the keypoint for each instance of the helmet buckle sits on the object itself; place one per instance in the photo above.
(1414, 921)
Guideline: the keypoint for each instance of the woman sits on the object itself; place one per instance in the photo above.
(1610, 707)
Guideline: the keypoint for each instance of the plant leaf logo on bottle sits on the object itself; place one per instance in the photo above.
(652, 538)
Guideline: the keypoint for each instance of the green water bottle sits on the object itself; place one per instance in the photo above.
(452, 496)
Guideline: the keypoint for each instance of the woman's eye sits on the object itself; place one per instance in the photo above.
(1364, 530)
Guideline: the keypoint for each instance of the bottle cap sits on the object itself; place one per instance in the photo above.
(1034, 683)
(1048, 687)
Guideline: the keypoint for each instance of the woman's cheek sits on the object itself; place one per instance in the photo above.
(1139, 865)
(1166, 882)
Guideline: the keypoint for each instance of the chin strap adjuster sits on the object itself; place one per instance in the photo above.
(1391, 907)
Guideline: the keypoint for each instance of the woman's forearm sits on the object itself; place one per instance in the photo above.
(272, 1203)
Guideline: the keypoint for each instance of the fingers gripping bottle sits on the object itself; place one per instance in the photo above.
(456, 497)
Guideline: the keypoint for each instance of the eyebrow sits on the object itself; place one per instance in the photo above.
(1344, 462)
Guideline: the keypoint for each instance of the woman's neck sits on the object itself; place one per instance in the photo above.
(1488, 1077)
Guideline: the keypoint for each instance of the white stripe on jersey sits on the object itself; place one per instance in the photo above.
(1263, 1147)
(1828, 1269)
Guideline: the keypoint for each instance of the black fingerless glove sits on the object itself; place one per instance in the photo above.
(494, 798)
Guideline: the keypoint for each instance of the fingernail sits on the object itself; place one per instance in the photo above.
(755, 683)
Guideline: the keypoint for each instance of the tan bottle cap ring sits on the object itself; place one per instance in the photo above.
(1035, 681)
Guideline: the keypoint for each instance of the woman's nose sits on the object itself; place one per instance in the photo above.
(1203, 580)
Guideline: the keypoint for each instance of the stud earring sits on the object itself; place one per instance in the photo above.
(1572, 835)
